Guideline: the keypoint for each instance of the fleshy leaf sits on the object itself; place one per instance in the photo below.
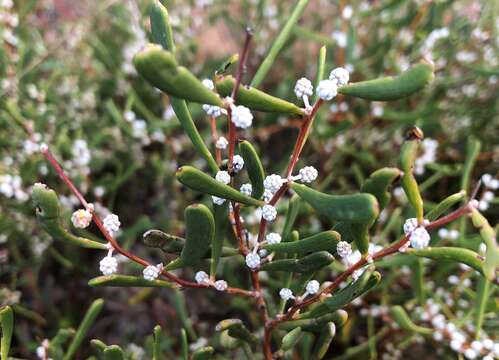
(221, 215)
(339, 317)
(205, 353)
(488, 235)
(161, 30)
(127, 281)
(445, 205)
(291, 339)
(312, 262)
(7, 327)
(326, 240)
(294, 205)
(254, 168)
(392, 88)
(379, 182)
(113, 352)
(324, 340)
(402, 319)
(237, 330)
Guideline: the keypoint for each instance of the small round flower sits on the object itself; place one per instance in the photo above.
(486, 178)
(223, 176)
(419, 238)
(237, 163)
(308, 174)
(246, 189)
(410, 225)
(81, 218)
(108, 265)
(221, 143)
(488, 196)
(263, 252)
(242, 116)
(470, 353)
(208, 83)
(221, 285)
(494, 184)
(273, 183)
(273, 238)
(152, 272)
(327, 89)
(202, 278)
(340, 75)
(217, 200)
(269, 212)
(482, 249)
(212, 110)
(252, 260)
(111, 223)
(303, 88)
(267, 195)
(343, 249)
(286, 294)
(312, 287)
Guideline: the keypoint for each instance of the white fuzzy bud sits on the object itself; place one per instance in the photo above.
(221, 285)
(217, 200)
(81, 218)
(312, 287)
(273, 183)
(111, 223)
(208, 83)
(253, 260)
(246, 189)
(212, 110)
(237, 163)
(308, 174)
(419, 238)
(202, 278)
(242, 116)
(108, 265)
(273, 238)
(303, 87)
(269, 212)
(410, 225)
(343, 249)
(221, 143)
(286, 294)
(152, 272)
(340, 75)
(223, 176)
(327, 89)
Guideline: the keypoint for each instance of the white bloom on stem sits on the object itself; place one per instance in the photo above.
(267, 195)
(286, 294)
(223, 176)
(273, 238)
(152, 272)
(81, 218)
(217, 200)
(312, 287)
(253, 260)
(208, 83)
(410, 225)
(221, 143)
(273, 183)
(108, 265)
(111, 223)
(327, 89)
(269, 212)
(221, 285)
(213, 110)
(41, 351)
(341, 75)
(202, 277)
(343, 249)
(488, 196)
(237, 163)
(419, 238)
(308, 174)
(242, 116)
(246, 189)
(486, 179)
(303, 88)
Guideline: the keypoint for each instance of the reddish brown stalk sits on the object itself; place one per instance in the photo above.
(214, 135)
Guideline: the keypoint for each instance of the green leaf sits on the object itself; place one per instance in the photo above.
(345, 296)
(254, 168)
(161, 30)
(379, 183)
(198, 180)
(7, 327)
(233, 59)
(256, 99)
(88, 320)
(326, 240)
(159, 67)
(456, 254)
(236, 329)
(113, 352)
(294, 205)
(221, 222)
(324, 341)
(321, 66)
(185, 344)
(488, 235)
(392, 88)
(482, 295)
(291, 339)
(339, 317)
(61, 337)
(312, 262)
(205, 353)
(402, 319)
(199, 234)
(156, 350)
(445, 205)
(127, 281)
(48, 216)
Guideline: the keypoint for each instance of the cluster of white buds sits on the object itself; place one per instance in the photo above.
(202, 278)
(253, 260)
(152, 272)
(343, 249)
(340, 75)
(452, 234)
(273, 238)
(273, 183)
(246, 189)
(269, 212)
(241, 116)
(327, 89)
(42, 350)
(267, 195)
(419, 237)
(286, 294)
(491, 184)
(108, 265)
(111, 223)
(308, 174)
(304, 89)
(211, 110)
(410, 225)
(221, 285)
(221, 143)
(312, 288)
(237, 163)
(217, 200)
(81, 218)
(223, 176)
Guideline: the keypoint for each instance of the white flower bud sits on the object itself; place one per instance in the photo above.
(327, 89)
(269, 212)
(273, 183)
(410, 225)
(273, 238)
(312, 287)
(286, 294)
(212, 110)
(108, 265)
(152, 272)
(223, 177)
(308, 174)
(267, 195)
(81, 218)
(242, 116)
(253, 260)
(208, 83)
(487, 178)
(470, 353)
(217, 200)
(221, 143)
(246, 189)
(488, 196)
(340, 75)
(237, 163)
(221, 285)
(419, 238)
(202, 278)
(343, 249)
(111, 223)
(303, 87)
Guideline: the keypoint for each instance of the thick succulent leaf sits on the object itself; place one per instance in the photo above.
(113, 352)
(379, 183)
(236, 329)
(198, 180)
(312, 262)
(488, 235)
(205, 353)
(88, 320)
(326, 240)
(482, 295)
(199, 234)
(48, 215)
(339, 317)
(392, 88)
(292, 212)
(408, 155)
(159, 67)
(445, 205)
(161, 30)
(291, 339)
(256, 99)
(7, 327)
(254, 168)
(221, 215)
(127, 281)
(461, 255)
(324, 340)
(404, 321)
(225, 66)
(346, 295)
(156, 347)
(61, 337)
